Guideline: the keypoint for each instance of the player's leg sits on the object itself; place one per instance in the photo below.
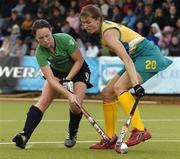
(110, 114)
(75, 115)
(149, 62)
(110, 107)
(35, 115)
(126, 100)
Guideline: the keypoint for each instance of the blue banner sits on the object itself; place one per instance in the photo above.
(94, 66)
(108, 68)
(30, 76)
(24, 74)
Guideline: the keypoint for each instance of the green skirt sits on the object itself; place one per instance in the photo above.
(148, 60)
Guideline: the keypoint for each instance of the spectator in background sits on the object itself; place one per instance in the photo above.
(81, 47)
(14, 11)
(154, 33)
(20, 48)
(166, 5)
(83, 35)
(104, 7)
(14, 19)
(1, 37)
(120, 3)
(140, 29)
(40, 14)
(177, 29)
(73, 19)
(4, 49)
(139, 10)
(19, 7)
(74, 5)
(66, 28)
(31, 7)
(84, 3)
(155, 3)
(117, 14)
(156, 30)
(26, 25)
(166, 36)
(58, 4)
(128, 4)
(147, 17)
(45, 6)
(110, 9)
(15, 32)
(174, 47)
(86, 37)
(6, 7)
(173, 16)
(159, 18)
(1, 21)
(33, 46)
(164, 48)
(92, 50)
(130, 19)
(57, 19)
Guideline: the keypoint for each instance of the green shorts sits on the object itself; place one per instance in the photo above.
(148, 60)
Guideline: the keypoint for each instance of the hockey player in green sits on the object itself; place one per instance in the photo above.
(63, 68)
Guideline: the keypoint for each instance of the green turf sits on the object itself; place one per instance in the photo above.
(163, 121)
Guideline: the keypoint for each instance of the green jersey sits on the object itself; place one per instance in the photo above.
(60, 60)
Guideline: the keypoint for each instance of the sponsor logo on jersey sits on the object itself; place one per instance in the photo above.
(71, 42)
(50, 58)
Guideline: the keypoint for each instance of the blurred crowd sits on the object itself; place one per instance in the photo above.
(157, 20)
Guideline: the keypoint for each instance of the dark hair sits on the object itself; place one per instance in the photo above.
(20, 37)
(39, 24)
(90, 10)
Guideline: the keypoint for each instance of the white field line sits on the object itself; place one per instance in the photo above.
(65, 100)
(98, 120)
(85, 141)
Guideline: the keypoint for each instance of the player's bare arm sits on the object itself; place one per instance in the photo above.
(78, 62)
(53, 81)
(112, 41)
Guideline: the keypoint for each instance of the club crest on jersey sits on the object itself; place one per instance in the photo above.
(71, 42)
(50, 58)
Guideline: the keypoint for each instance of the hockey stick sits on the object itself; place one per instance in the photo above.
(69, 86)
(94, 124)
(126, 126)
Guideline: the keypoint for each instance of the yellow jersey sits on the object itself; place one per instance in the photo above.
(128, 37)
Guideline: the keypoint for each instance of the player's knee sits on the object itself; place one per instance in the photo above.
(74, 109)
(105, 93)
(43, 103)
(118, 89)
